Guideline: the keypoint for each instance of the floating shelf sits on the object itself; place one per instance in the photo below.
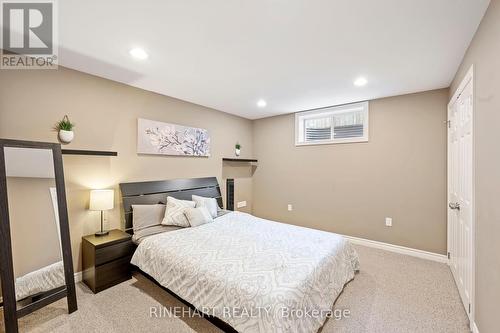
(242, 160)
(88, 152)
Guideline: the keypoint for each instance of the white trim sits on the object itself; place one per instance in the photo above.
(332, 142)
(53, 195)
(399, 249)
(473, 249)
(78, 277)
(361, 106)
(468, 78)
(474, 328)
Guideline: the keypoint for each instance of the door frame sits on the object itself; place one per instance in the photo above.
(468, 78)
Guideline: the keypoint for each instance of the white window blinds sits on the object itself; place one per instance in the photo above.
(348, 123)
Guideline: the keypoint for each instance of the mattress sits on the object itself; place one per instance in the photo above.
(256, 275)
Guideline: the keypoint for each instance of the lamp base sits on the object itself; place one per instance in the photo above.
(102, 233)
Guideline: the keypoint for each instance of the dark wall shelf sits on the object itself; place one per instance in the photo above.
(88, 152)
(243, 160)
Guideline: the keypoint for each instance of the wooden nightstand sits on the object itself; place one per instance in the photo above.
(106, 259)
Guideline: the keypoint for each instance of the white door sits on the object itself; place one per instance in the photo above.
(461, 191)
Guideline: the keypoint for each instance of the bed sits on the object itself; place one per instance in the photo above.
(40, 281)
(254, 274)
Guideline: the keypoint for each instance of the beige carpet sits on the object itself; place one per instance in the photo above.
(392, 293)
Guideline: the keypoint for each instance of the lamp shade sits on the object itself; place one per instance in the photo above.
(101, 199)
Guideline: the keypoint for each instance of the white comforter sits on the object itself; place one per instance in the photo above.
(256, 275)
(41, 280)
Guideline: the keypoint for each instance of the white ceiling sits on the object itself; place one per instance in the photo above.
(295, 54)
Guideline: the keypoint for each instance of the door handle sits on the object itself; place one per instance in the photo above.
(454, 205)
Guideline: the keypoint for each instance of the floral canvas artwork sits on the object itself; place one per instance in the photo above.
(155, 137)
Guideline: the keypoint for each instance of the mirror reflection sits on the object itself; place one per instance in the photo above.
(34, 223)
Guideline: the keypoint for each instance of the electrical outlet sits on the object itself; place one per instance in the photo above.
(388, 221)
(290, 207)
(241, 204)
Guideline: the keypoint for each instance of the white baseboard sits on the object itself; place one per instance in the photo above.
(78, 277)
(399, 249)
(474, 328)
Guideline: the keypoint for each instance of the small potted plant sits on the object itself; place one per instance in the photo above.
(237, 149)
(65, 129)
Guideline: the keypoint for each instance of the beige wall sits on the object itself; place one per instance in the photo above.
(351, 188)
(105, 114)
(484, 54)
(34, 233)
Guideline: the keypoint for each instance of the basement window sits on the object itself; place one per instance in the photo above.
(340, 124)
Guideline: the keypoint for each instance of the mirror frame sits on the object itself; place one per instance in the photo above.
(11, 312)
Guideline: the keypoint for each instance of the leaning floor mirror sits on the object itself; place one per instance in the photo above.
(36, 266)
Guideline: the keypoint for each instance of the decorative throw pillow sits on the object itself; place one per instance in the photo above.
(198, 216)
(209, 203)
(174, 212)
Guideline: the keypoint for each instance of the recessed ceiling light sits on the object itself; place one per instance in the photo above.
(138, 53)
(360, 82)
(261, 103)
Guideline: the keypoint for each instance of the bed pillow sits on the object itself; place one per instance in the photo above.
(198, 216)
(174, 212)
(144, 216)
(146, 221)
(209, 203)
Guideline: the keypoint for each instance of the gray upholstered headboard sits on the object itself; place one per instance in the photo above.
(153, 192)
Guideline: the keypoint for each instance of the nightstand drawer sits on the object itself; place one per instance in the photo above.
(112, 273)
(106, 259)
(112, 252)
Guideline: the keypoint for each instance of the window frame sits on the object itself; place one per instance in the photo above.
(331, 111)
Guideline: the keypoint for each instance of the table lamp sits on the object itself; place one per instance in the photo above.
(101, 200)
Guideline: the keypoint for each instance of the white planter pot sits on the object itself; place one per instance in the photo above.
(66, 136)
(237, 152)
